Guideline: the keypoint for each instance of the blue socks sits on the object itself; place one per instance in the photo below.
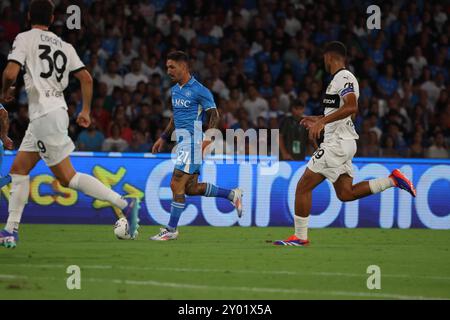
(177, 209)
(215, 191)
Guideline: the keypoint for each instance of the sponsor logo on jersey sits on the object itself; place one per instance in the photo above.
(180, 103)
(331, 101)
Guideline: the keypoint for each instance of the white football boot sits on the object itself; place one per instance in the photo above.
(165, 235)
(237, 200)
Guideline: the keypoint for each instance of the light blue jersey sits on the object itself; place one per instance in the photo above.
(190, 103)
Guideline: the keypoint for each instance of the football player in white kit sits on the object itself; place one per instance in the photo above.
(333, 159)
(48, 61)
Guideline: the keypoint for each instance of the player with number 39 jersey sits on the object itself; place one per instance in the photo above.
(47, 61)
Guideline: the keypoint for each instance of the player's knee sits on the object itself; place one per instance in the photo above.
(190, 190)
(345, 196)
(176, 187)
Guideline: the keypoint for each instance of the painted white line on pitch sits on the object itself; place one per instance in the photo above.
(12, 276)
(178, 285)
(195, 270)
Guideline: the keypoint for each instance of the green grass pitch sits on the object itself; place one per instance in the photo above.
(225, 263)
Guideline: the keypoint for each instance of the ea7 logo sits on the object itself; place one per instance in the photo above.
(374, 20)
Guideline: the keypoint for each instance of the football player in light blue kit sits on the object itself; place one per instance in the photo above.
(191, 101)
(4, 140)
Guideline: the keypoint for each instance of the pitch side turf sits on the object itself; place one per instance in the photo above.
(225, 263)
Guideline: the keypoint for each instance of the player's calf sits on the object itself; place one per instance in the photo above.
(94, 188)
(345, 195)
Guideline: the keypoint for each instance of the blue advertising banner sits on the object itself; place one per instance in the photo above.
(268, 198)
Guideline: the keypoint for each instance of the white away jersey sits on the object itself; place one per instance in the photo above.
(47, 61)
(343, 83)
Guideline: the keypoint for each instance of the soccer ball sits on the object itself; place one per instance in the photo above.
(122, 229)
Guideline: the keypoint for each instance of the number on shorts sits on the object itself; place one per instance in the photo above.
(318, 153)
(183, 156)
(41, 146)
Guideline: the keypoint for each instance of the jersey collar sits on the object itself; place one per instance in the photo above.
(190, 82)
(339, 70)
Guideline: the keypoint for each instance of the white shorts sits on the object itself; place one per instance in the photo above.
(48, 135)
(333, 158)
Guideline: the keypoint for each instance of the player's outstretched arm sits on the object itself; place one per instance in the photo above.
(214, 118)
(166, 135)
(86, 83)
(8, 79)
(349, 107)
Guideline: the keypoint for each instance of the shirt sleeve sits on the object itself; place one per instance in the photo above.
(75, 64)
(207, 100)
(345, 84)
(18, 53)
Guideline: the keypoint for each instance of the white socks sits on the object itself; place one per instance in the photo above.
(94, 188)
(301, 227)
(20, 189)
(380, 184)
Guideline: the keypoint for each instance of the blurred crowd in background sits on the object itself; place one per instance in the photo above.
(259, 58)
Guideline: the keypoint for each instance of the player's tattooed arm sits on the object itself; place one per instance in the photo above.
(4, 123)
(8, 79)
(4, 128)
(214, 118)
